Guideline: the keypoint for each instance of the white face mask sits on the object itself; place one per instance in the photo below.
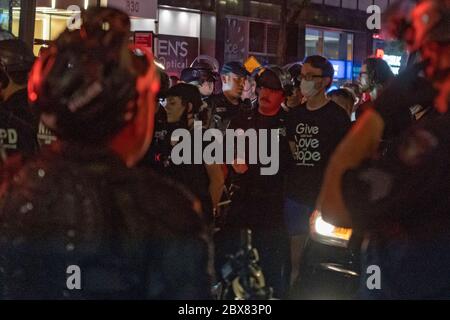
(308, 88)
(227, 86)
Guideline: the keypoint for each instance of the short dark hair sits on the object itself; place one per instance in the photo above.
(379, 71)
(323, 64)
(188, 93)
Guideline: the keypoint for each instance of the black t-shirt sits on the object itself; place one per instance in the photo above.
(316, 134)
(193, 176)
(259, 200)
(18, 126)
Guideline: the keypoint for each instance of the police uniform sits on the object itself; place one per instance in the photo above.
(132, 234)
(17, 126)
(402, 205)
(76, 210)
(223, 111)
(45, 135)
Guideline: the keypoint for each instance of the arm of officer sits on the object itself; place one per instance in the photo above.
(359, 144)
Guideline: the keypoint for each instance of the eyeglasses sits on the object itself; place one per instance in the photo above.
(308, 77)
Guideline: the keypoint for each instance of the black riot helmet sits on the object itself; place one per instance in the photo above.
(203, 68)
(276, 78)
(199, 74)
(294, 70)
(16, 60)
(89, 79)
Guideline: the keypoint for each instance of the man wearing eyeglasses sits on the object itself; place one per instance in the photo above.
(314, 130)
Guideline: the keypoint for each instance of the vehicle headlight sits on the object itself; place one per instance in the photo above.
(326, 233)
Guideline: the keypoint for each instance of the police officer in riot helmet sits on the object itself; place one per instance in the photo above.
(201, 74)
(204, 180)
(18, 123)
(79, 205)
(401, 201)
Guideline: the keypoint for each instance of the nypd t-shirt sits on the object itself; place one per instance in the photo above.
(16, 136)
(315, 134)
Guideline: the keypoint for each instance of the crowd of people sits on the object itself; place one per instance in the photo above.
(88, 179)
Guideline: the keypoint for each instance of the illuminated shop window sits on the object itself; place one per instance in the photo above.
(4, 14)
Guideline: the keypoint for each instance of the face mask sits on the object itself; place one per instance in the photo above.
(308, 88)
(227, 86)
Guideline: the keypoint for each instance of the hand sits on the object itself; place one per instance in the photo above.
(240, 166)
(360, 144)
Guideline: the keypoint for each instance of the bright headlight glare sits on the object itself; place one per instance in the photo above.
(326, 233)
(160, 65)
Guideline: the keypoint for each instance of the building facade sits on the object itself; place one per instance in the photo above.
(336, 29)
(180, 30)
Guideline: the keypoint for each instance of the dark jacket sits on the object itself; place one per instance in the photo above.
(18, 126)
(223, 111)
(132, 234)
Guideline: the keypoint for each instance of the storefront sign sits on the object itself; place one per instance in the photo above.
(136, 8)
(342, 69)
(176, 53)
(144, 39)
